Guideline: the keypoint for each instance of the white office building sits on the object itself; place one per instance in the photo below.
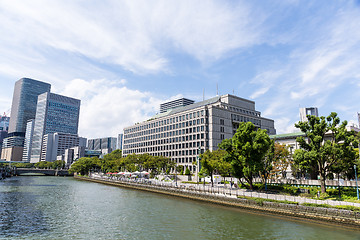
(54, 145)
(184, 131)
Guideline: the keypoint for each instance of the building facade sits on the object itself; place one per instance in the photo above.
(174, 104)
(107, 144)
(120, 141)
(23, 108)
(182, 133)
(313, 111)
(54, 114)
(4, 127)
(28, 140)
(55, 144)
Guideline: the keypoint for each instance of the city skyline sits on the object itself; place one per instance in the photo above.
(123, 59)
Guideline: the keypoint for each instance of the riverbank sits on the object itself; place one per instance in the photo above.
(328, 215)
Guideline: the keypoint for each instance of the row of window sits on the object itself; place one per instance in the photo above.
(240, 110)
(167, 134)
(135, 144)
(169, 128)
(240, 118)
(168, 121)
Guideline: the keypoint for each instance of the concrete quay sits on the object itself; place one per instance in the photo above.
(318, 214)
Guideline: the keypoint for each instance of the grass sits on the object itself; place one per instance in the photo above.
(260, 201)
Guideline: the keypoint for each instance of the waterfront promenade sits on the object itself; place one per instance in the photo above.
(225, 190)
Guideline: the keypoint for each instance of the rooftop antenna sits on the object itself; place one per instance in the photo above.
(217, 89)
(233, 92)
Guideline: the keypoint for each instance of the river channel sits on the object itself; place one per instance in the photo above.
(39, 207)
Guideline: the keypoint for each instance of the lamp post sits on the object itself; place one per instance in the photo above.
(357, 189)
(198, 165)
(176, 175)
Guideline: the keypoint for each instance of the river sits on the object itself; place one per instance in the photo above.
(39, 207)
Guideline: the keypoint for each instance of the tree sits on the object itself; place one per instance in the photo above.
(281, 160)
(58, 164)
(246, 151)
(211, 161)
(328, 147)
(84, 165)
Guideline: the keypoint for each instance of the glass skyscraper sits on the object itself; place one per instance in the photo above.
(54, 114)
(24, 101)
(23, 108)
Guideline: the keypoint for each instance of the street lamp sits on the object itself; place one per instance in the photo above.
(198, 164)
(357, 189)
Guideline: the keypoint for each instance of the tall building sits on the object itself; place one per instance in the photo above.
(54, 114)
(313, 111)
(28, 140)
(181, 133)
(23, 108)
(4, 123)
(120, 141)
(4, 127)
(109, 144)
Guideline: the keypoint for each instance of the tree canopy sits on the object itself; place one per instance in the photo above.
(246, 151)
(328, 146)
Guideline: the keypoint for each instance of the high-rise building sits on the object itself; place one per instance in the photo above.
(4, 127)
(313, 111)
(4, 123)
(120, 141)
(182, 133)
(23, 108)
(54, 114)
(28, 140)
(109, 144)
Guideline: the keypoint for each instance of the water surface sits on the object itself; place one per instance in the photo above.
(39, 207)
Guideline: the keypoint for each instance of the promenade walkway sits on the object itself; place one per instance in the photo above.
(226, 191)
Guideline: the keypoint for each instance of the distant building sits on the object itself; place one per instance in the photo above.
(4, 127)
(23, 108)
(54, 114)
(313, 111)
(183, 132)
(28, 140)
(73, 154)
(107, 145)
(182, 102)
(120, 141)
(55, 144)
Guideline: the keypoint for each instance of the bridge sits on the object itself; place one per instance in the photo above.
(46, 172)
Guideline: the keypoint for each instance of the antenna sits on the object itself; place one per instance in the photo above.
(217, 89)
(233, 92)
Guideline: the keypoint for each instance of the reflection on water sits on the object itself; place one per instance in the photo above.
(64, 208)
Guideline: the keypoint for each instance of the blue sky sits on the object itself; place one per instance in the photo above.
(124, 58)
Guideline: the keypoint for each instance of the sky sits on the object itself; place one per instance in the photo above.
(124, 58)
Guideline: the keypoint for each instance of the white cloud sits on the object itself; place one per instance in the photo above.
(107, 106)
(133, 34)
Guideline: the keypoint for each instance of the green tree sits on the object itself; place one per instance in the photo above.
(328, 146)
(246, 151)
(211, 162)
(84, 165)
(58, 164)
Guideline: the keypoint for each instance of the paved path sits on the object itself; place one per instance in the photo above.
(238, 192)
